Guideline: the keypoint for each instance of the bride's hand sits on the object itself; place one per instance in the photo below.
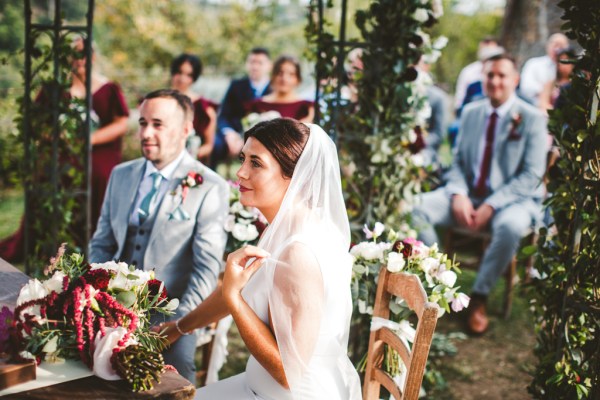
(167, 329)
(237, 273)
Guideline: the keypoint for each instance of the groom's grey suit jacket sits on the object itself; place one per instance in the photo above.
(186, 255)
(519, 155)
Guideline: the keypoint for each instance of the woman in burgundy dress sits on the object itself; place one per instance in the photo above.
(185, 70)
(109, 125)
(285, 80)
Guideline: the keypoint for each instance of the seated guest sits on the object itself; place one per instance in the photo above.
(179, 235)
(553, 88)
(539, 70)
(185, 70)
(228, 141)
(495, 181)
(284, 99)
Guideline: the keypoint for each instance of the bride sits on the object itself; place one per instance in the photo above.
(290, 295)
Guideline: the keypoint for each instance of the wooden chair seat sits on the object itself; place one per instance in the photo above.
(409, 288)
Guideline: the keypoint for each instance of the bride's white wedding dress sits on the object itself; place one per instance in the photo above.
(305, 286)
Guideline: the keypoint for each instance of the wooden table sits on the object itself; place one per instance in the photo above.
(172, 386)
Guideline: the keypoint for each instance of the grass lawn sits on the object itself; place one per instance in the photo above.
(11, 210)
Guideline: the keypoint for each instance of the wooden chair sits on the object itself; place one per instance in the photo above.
(458, 237)
(409, 288)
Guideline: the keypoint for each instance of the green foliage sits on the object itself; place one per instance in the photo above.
(462, 48)
(376, 135)
(136, 47)
(568, 295)
(52, 172)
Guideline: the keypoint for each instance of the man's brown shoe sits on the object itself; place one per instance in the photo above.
(477, 322)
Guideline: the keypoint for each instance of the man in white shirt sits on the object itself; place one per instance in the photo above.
(153, 220)
(537, 71)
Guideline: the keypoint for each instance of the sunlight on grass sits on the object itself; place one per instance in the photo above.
(11, 210)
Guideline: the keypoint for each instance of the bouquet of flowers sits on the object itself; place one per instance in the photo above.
(436, 272)
(96, 313)
(244, 224)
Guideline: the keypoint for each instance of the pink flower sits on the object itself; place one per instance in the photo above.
(460, 302)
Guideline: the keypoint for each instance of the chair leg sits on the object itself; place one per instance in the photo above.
(510, 283)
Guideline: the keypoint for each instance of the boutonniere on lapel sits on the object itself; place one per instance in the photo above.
(192, 180)
(515, 122)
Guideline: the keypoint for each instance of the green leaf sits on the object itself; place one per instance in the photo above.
(127, 299)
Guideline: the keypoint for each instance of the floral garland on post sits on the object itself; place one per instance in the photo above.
(96, 313)
(382, 134)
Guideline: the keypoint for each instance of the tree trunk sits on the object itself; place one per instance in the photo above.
(526, 26)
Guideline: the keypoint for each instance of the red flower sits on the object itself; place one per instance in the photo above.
(260, 226)
(401, 246)
(419, 143)
(196, 177)
(154, 287)
(97, 278)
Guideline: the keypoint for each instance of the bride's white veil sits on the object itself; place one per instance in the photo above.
(309, 276)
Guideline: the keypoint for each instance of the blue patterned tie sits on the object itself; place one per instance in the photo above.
(144, 210)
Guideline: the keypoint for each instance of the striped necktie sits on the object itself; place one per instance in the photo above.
(144, 210)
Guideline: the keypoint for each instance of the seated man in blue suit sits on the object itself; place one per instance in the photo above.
(150, 221)
(495, 181)
(228, 140)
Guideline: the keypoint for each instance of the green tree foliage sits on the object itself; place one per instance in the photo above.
(567, 298)
(464, 33)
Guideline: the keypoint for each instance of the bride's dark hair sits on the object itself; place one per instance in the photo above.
(285, 138)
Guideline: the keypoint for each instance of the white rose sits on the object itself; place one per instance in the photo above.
(229, 223)
(244, 233)
(246, 214)
(55, 283)
(236, 207)
(395, 262)
(430, 265)
(447, 278)
(421, 15)
(371, 251)
(33, 290)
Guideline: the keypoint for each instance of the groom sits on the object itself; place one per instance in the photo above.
(152, 220)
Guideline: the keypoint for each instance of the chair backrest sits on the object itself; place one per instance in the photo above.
(409, 288)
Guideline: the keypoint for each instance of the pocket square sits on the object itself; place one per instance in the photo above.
(179, 214)
(514, 135)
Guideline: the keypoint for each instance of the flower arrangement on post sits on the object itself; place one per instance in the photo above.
(436, 272)
(96, 313)
(244, 224)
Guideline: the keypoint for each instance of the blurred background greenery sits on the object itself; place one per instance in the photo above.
(136, 40)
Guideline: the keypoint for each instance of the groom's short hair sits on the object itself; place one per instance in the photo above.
(183, 101)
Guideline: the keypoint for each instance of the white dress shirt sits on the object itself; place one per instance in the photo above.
(146, 186)
(536, 73)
